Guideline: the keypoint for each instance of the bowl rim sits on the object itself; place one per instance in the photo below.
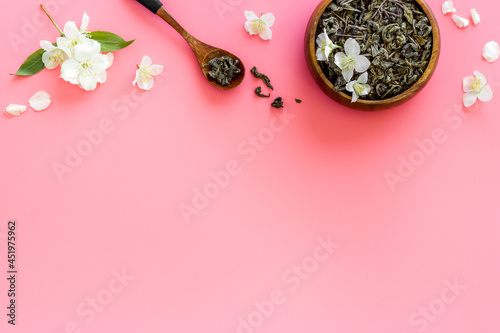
(362, 103)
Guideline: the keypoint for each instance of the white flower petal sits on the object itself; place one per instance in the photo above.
(14, 110)
(48, 62)
(267, 34)
(69, 70)
(347, 74)
(40, 101)
(351, 47)
(467, 83)
(338, 58)
(249, 27)
(146, 84)
(156, 69)
(480, 77)
(460, 22)
(362, 64)
(354, 96)
(71, 31)
(363, 78)
(100, 62)
(470, 98)
(491, 51)
(366, 91)
(88, 80)
(320, 55)
(83, 52)
(137, 77)
(102, 77)
(350, 86)
(486, 94)
(46, 45)
(250, 15)
(448, 7)
(85, 22)
(111, 58)
(475, 17)
(268, 19)
(146, 61)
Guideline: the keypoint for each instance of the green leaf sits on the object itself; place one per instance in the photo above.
(32, 65)
(109, 41)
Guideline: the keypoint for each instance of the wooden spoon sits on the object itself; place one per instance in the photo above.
(204, 52)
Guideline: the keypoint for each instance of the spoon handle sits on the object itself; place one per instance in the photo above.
(157, 8)
(152, 5)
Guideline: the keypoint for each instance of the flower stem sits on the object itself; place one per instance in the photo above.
(54, 23)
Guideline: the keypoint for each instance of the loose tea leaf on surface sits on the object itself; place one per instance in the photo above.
(261, 76)
(224, 69)
(298, 101)
(258, 92)
(395, 35)
(278, 103)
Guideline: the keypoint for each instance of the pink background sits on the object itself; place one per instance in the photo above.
(323, 175)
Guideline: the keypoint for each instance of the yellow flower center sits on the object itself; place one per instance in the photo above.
(476, 85)
(347, 62)
(146, 73)
(259, 26)
(359, 88)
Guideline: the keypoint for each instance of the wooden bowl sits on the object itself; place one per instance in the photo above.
(367, 105)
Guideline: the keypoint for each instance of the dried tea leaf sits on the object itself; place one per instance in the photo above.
(261, 76)
(224, 69)
(298, 101)
(408, 14)
(278, 103)
(258, 92)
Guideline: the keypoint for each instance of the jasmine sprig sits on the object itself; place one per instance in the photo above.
(72, 41)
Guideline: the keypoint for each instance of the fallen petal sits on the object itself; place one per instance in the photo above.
(448, 7)
(475, 17)
(491, 51)
(14, 110)
(460, 22)
(40, 101)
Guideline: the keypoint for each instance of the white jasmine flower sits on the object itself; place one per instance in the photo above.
(491, 51)
(144, 75)
(73, 36)
(259, 25)
(88, 66)
(325, 47)
(351, 60)
(460, 22)
(475, 87)
(14, 110)
(359, 87)
(54, 56)
(448, 7)
(40, 101)
(475, 17)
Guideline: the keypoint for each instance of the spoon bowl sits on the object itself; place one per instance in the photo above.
(203, 52)
(216, 53)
